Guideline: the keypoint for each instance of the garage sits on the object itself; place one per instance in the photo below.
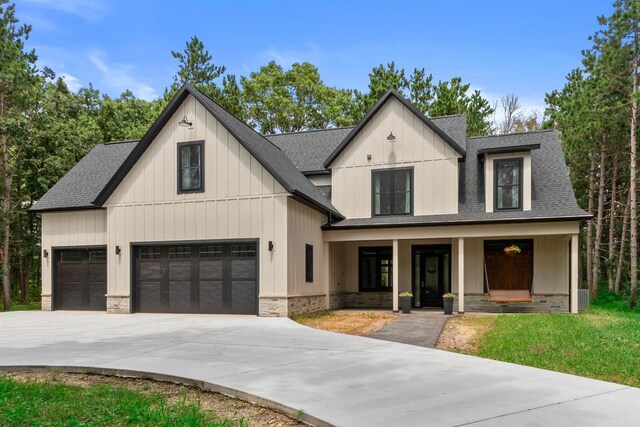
(80, 279)
(220, 278)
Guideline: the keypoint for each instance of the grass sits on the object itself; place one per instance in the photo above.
(347, 322)
(34, 305)
(58, 404)
(602, 343)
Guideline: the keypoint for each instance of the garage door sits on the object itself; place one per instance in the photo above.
(207, 278)
(80, 279)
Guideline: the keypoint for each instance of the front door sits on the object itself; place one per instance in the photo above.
(431, 274)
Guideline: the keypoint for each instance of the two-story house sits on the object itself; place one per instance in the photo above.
(205, 215)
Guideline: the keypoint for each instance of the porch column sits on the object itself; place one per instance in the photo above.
(396, 274)
(573, 304)
(326, 273)
(460, 275)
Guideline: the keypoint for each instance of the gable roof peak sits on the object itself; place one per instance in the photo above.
(267, 153)
(374, 110)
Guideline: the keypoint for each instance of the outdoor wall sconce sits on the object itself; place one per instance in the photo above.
(368, 156)
(270, 246)
(185, 123)
(45, 253)
(391, 137)
(118, 250)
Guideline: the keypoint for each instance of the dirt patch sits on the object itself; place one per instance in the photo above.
(462, 334)
(359, 323)
(223, 406)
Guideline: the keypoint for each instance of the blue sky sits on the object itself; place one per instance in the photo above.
(499, 46)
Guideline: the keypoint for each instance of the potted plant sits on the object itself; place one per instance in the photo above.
(405, 302)
(447, 299)
(512, 250)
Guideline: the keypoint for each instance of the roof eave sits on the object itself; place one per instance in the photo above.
(331, 227)
(34, 209)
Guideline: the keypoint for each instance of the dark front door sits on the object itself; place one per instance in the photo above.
(206, 278)
(431, 274)
(80, 279)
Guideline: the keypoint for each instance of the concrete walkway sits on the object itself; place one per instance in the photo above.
(421, 328)
(345, 380)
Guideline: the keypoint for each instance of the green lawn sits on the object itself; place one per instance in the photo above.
(603, 343)
(57, 404)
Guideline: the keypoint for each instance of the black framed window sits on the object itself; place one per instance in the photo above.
(191, 167)
(392, 191)
(508, 184)
(376, 269)
(308, 263)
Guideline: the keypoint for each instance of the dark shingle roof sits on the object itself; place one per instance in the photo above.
(82, 184)
(552, 195)
(455, 126)
(309, 149)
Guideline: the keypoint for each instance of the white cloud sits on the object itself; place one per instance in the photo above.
(117, 78)
(287, 57)
(72, 81)
(90, 10)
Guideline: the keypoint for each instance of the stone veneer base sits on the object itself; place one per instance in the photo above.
(118, 304)
(46, 303)
(542, 303)
(368, 300)
(291, 306)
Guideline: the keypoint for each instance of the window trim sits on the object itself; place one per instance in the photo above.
(411, 192)
(180, 145)
(308, 263)
(496, 163)
(378, 288)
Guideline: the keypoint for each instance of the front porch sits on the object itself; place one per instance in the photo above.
(362, 273)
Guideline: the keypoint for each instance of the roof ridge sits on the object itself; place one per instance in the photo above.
(447, 115)
(309, 130)
(119, 142)
(512, 134)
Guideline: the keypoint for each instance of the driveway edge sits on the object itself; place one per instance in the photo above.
(296, 414)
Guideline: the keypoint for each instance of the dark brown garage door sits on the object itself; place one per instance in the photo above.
(80, 279)
(207, 278)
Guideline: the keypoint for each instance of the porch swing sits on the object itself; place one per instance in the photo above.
(508, 269)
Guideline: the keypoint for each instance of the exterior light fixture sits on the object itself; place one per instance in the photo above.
(45, 253)
(391, 137)
(270, 246)
(185, 123)
(368, 156)
(118, 250)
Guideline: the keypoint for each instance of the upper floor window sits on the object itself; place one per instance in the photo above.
(391, 191)
(191, 167)
(508, 184)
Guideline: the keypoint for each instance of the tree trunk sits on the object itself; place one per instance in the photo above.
(6, 278)
(633, 241)
(592, 189)
(23, 272)
(612, 222)
(595, 275)
(623, 241)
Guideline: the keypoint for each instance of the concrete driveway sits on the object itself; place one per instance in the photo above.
(344, 380)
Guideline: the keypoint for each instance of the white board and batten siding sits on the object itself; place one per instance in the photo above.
(304, 228)
(434, 162)
(81, 228)
(241, 200)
